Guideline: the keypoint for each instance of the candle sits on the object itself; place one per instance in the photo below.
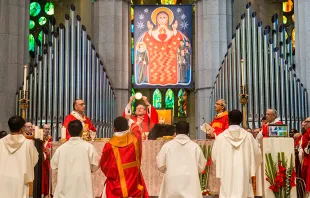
(242, 72)
(25, 78)
(41, 134)
(36, 133)
(63, 133)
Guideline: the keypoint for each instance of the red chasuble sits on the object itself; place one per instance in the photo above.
(120, 162)
(220, 123)
(145, 125)
(46, 166)
(70, 118)
(305, 169)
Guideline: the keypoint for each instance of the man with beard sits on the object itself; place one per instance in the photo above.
(147, 116)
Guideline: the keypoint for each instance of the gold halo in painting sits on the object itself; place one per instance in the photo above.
(162, 9)
(138, 46)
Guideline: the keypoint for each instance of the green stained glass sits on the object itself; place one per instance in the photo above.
(157, 99)
(31, 24)
(49, 8)
(133, 104)
(31, 42)
(40, 36)
(35, 9)
(42, 20)
(169, 99)
(182, 103)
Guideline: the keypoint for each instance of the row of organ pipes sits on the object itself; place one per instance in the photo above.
(65, 67)
(269, 75)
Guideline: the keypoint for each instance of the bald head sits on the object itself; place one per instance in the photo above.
(271, 115)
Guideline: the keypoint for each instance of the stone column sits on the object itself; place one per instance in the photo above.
(111, 37)
(302, 42)
(14, 23)
(210, 47)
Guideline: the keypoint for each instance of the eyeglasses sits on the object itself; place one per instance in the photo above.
(81, 104)
(219, 104)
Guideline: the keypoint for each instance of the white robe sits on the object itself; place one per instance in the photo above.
(237, 157)
(18, 156)
(75, 160)
(181, 160)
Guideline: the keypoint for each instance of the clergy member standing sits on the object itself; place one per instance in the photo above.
(220, 121)
(78, 114)
(181, 160)
(47, 139)
(121, 162)
(18, 156)
(147, 115)
(237, 156)
(75, 160)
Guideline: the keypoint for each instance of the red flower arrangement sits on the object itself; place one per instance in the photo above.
(280, 178)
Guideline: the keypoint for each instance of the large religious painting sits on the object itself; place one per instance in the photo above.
(163, 46)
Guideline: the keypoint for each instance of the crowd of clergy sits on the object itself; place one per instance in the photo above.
(180, 160)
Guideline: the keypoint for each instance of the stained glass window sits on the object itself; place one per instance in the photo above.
(42, 20)
(31, 42)
(31, 24)
(168, 2)
(288, 6)
(182, 103)
(40, 36)
(132, 13)
(49, 8)
(35, 9)
(169, 99)
(284, 19)
(133, 104)
(157, 99)
(293, 38)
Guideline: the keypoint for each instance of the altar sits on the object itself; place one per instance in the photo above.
(152, 176)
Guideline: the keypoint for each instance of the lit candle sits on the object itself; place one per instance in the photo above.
(25, 78)
(36, 133)
(63, 133)
(242, 72)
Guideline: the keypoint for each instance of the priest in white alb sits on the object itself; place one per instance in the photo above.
(74, 161)
(237, 156)
(181, 160)
(18, 156)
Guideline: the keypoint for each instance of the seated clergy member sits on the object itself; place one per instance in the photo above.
(237, 156)
(181, 160)
(220, 121)
(271, 118)
(75, 160)
(18, 156)
(148, 115)
(78, 114)
(121, 162)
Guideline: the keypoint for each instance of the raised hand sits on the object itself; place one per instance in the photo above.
(144, 98)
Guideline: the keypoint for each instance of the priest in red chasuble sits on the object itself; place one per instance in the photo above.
(220, 122)
(148, 115)
(47, 139)
(78, 114)
(121, 162)
(271, 118)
